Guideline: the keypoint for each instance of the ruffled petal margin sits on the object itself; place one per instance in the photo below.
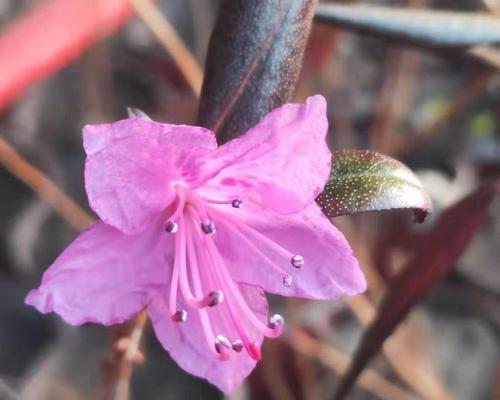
(131, 165)
(104, 276)
(284, 159)
(329, 271)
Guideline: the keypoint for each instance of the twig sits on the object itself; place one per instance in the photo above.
(338, 362)
(72, 213)
(418, 375)
(123, 355)
(123, 347)
(488, 54)
(130, 357)
(171, 41)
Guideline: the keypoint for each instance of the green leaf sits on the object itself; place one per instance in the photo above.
(363, 180)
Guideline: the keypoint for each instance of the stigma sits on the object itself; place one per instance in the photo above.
(201, 282)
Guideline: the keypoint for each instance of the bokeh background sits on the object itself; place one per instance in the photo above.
(437, 112)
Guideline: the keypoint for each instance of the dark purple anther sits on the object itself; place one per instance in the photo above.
(208, 227)
(214, 298)
(297, 261)
(236, 203)
(237, 345)
(180, 316)
(171, 227)
(276, 321)
(222, 343)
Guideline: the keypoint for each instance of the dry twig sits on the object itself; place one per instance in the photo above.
(67, 208)
(338, 362)
(171, 41)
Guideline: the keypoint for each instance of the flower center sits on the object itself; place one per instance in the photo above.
(200, 276)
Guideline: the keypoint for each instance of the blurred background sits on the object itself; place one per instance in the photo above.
(436, 111)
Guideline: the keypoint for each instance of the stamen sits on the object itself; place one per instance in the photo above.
(297, 261)
(236, 295)
(180, 262)
(181, 195)
(217, 269)
(222, 345)
(208, 227)
(198, 206)
(180, 316)
(287, 279)
(215, 201)
(276, 323)
(254, 351)
(218, 276)
(251, 244)
(204, 319)
(237, 345)
(174, 283)
(171, 227)
(214, 298)
(251, 232)
(236, 203)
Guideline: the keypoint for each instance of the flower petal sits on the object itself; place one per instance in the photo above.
(329, 271)
(187, 345)
(132, 163)
(104, 276)
(284, 159)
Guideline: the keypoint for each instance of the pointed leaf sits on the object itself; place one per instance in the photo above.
(363, 180)
(50, 36)
(438, 254)
(253, 62)
(421, 27)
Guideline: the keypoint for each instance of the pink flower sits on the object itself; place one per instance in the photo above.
(196, 233)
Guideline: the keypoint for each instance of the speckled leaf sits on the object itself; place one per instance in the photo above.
(253, 62)
(435, 258)
(419, 26)
(363, 180)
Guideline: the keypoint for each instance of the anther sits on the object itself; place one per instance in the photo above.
(236, 203)
(180, 316)
(297, 261)
(222, 344)
(172, 227)
(208, 227)
(214, 298)
(276, 321)
(237, 345)
(287, 280)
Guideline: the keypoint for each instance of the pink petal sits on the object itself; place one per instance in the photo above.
(104, 276)
(329, 271)
(132, 163)
(284, 158)
(187, 345)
